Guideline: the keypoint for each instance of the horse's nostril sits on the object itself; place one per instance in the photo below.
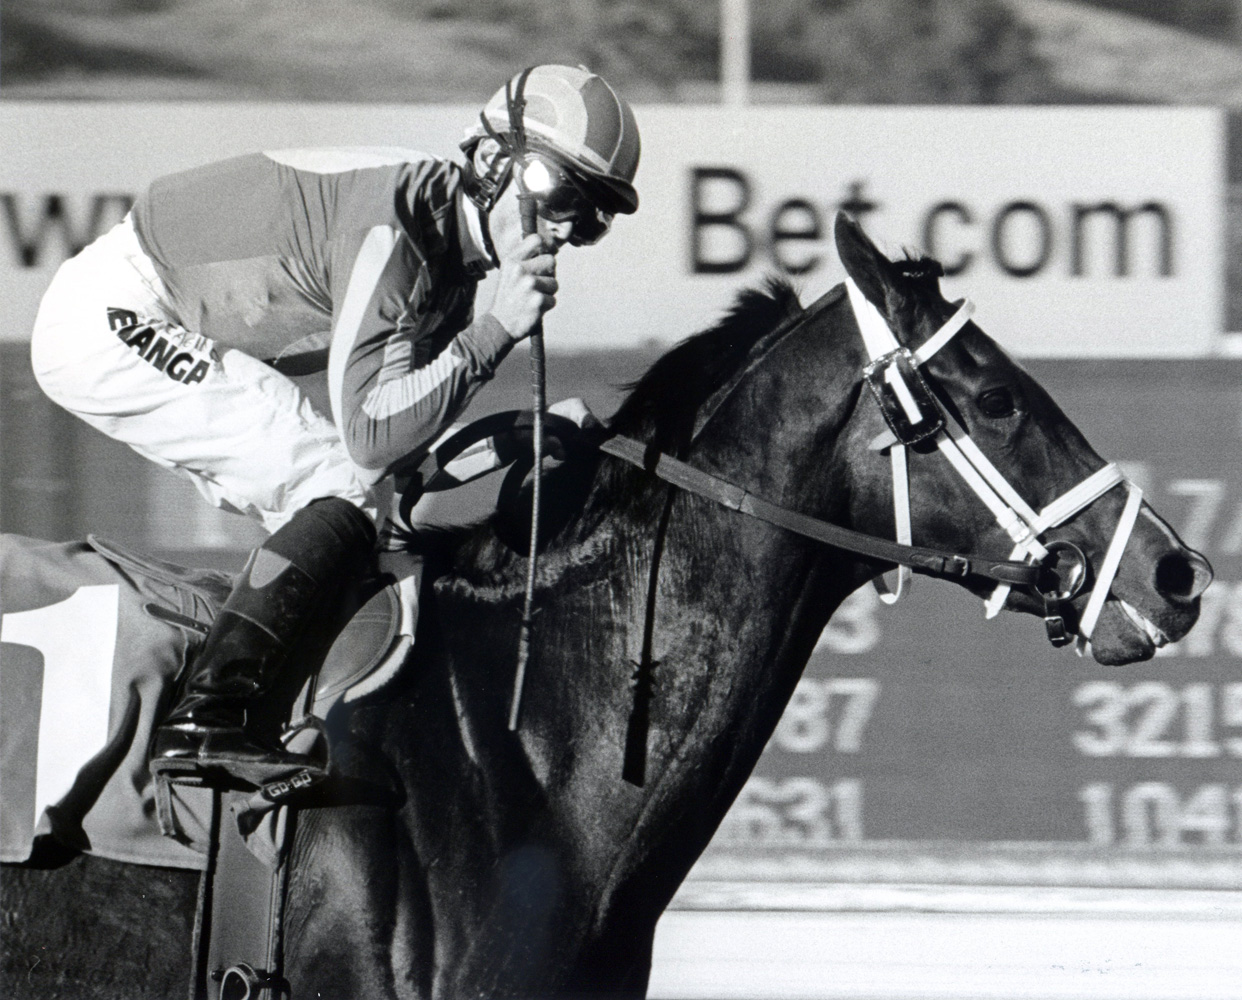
(1183, 575)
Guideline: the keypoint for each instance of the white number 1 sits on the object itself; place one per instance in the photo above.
(77, 638)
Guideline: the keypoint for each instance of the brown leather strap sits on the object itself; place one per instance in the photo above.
(704, 484)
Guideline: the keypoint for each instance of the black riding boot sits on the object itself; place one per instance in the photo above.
(291, 581)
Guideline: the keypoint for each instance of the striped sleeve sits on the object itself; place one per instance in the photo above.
(391, 395)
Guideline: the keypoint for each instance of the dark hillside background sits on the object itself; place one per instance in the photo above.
(857, 51)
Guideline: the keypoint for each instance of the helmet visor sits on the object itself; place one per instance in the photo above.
(561, 197)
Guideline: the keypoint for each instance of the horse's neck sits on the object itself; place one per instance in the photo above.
(728, 608)
(705, 613)
(713, 613)
(670, 630)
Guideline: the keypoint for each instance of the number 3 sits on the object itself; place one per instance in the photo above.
(1108, 715)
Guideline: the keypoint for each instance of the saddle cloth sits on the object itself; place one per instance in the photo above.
(89, 655)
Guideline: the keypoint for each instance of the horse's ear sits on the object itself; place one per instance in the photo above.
(872, 272)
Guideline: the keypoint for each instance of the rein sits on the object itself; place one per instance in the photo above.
(1056, 571)
(933, 561)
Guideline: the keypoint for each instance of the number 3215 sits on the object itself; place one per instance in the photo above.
(1156, 719)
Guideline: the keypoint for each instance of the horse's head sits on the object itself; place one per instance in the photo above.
(1009, 476)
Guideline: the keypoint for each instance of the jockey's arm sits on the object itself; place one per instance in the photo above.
(392, 392)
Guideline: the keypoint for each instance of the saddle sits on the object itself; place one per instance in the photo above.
(365, 656)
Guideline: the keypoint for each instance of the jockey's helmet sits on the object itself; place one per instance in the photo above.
(572, 123)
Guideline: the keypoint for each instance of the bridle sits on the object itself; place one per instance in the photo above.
(913, 414)
(1056, 572)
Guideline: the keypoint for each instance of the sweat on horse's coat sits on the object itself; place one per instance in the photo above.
(454, 859)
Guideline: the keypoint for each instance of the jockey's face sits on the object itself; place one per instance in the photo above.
(505, 221)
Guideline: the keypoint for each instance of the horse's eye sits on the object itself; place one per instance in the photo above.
(996, 402)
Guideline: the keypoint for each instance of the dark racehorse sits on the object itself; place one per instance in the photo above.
(459, 859)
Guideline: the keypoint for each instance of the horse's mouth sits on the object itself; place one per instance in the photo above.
(1144, 624)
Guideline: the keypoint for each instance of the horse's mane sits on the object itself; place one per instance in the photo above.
(667, 398)
(918, 265)
(923, 271)
(665, 401)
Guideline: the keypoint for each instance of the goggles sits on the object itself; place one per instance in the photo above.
(560, 198)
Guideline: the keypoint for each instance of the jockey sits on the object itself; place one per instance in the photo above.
(177, 331)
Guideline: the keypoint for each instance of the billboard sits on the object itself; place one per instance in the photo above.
(1078, 231)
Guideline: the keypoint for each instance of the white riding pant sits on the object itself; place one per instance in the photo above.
(108, 347)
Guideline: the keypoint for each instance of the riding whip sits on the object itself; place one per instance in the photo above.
(538, 381)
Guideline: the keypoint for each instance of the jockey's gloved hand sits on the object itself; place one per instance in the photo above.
(569, 428)
(574, 408)
(500, 439)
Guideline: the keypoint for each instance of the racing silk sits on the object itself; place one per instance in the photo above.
(357, 260)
